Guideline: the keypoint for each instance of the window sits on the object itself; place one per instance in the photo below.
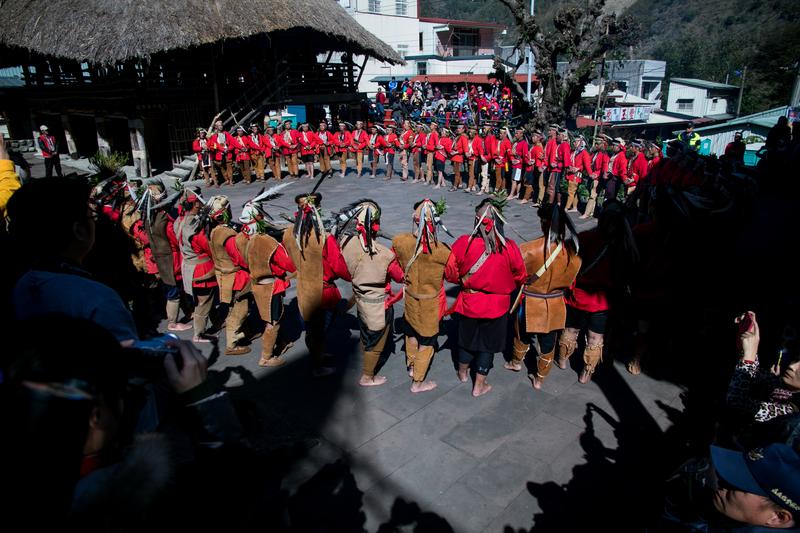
(622, 85)
(648, 87)
(401, 7)
(685, 104)
(402, 50)
(374, 6)
(465, 42)
(420, 42)
(422, 68)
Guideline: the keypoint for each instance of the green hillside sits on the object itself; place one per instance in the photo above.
(708, 39)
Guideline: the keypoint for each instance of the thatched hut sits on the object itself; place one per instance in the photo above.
(143, 74)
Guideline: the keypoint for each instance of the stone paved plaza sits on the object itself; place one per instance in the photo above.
(513, 460)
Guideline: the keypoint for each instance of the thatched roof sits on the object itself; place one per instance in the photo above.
(107, 31)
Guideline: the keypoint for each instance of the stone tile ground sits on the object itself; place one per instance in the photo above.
(506, 462)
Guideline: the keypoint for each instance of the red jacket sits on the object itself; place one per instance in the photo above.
(406, 139)
(486, 293)
(619, 166)
(418, 142)
(49, 146)
(563, 156)
(391, 141)
(203, 250)
(537, 156)
(489, 148)
(431, 142)
(223, 149)
(242, 147)
(359, 140)
(461, 149)
(333, 267)
(325, 141)
(639, 169)
(446, 144)
(257, 144)
(342, 141)
(197, 148)
(272, 145)
(583, 165)
(519, 154)
(376, 144)
(289, 141)
(477, 148)
(503, 151)
(599, 164)
(307, 141)
(242, 275)
(550, 152)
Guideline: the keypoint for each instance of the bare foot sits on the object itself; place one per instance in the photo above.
(366, 381)
(535, 381)
(511, 365)
(423, 386)
(411, 371)
(463, 376)
(480, 390)
(634, 367)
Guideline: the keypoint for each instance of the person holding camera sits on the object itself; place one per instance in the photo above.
(77, 458)
(54, 278)
(761, 398)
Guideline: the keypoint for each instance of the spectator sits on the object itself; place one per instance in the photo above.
(734, 151)
(380, 102)
(779, 137)
(757, 395)
(392, 86)
(48, 144)
(56, 281)
(9, 182)
(736, 491)
(71, 425)
(690, 138)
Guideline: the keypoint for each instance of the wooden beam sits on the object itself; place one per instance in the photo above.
(361, 72)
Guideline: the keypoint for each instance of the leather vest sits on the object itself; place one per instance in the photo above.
(423, 283)
(369, 281)
(160, 247)
(258, 254)
(309, 271)
(223, 263)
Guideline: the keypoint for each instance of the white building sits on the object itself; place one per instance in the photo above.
(431, 47)
(701, 98)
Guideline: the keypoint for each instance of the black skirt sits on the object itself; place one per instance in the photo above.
(483, 334)
(370, 338)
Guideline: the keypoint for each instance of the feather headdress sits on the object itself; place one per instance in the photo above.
(490, 221)
(359, 218)
(254, 215)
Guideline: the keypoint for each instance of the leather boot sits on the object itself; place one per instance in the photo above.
(566, 347)
(411, 352)
(520, 349)
(543, 365)
(592, 355)
(422, 362)
(268, 345)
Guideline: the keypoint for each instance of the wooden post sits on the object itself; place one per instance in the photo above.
(102, 135)
(71, 147)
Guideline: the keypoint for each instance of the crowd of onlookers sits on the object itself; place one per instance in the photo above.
(422, 101)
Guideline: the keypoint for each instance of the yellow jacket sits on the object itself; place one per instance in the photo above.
(9, 182)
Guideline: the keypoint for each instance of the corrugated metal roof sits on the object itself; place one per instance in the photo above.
(764, 119)
(703, 84)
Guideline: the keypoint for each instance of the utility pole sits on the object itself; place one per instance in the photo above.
(741, 91)
(530, 62)
(599, 91)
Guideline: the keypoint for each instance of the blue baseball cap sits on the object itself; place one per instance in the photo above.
(772, 471)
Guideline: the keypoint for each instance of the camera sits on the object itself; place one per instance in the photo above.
(145, 358)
